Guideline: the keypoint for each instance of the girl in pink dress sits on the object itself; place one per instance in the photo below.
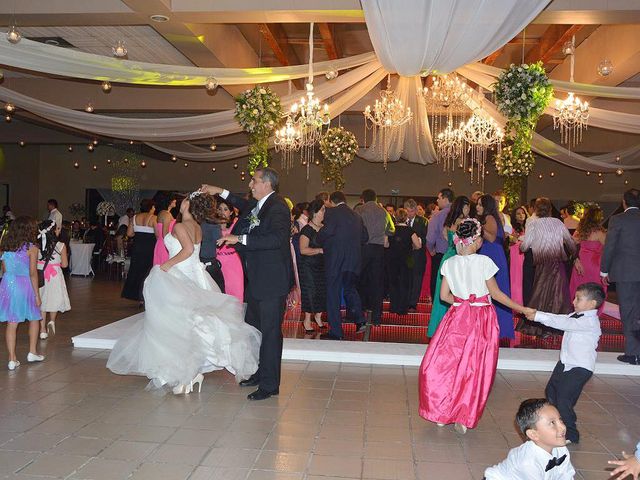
(459, 367)
(590, 236)
(516, 257)
(229, 259)
(163, 227)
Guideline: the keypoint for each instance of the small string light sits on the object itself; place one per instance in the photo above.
(95, 168)
(106, 87)
(588, 173)
(90, 147)
(88, 108)
(450, 184)
(619, 172)
(76, 165)
(235, 165)
(7, 118)
(174, 158)
(626, 182)
(95, 141)
(21, 143)
(601, 181)
(70, 148)
(10, 108)
(540, 176)
(186, 164)
(143, 164)
(213, 169)
(109, 161)
(552, 174)
(599, 174)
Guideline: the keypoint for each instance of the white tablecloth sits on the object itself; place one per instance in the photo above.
(81, 258)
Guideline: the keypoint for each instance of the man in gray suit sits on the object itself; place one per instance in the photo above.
(621, 264)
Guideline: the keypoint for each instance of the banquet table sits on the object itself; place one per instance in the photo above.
(81, 258)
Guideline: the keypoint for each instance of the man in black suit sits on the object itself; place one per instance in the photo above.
(342, 237)
(620, 263)
(419, 256)
(261, 237)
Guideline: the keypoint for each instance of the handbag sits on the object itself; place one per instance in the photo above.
(41, 274)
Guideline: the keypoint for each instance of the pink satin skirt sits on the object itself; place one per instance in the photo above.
(459, 367)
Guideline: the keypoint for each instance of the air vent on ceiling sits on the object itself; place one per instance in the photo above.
(55, 41)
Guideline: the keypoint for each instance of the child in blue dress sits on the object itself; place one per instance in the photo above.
(19, 296)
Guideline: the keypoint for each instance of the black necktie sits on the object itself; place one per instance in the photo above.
(577, 315)
(554, 462)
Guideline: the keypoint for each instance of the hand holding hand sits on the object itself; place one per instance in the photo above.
(530, 313)
(629, 466)
(228, 240)
(165, 267)
(605, 280)
(210, 189)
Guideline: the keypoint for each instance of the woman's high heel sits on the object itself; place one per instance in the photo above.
(51, 326)
(198, 379)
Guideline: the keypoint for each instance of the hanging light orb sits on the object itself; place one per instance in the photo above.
(552, 174)
(568, 48)
(143, 164)
(14, 35)
(89, 108)
(95, 168)
(108, 161)
(605, 68)
(601, 181)
(21, 143)
(619, 172)
(7, 118)
(106, 87)
(211, 84)
(119, 50)
(626, 182)
(174, 158)
(235, 165)
(213, 147)
(618, 159)
(95, 141)
(76, 165)
(70, 148)
(450, 184)
(90, 147)
(213, 169)
(130, 142)
(588, 173)
(10, 107)
(331, 74)
(186, 164)
(125, 160)
(540, 176)
(599, 174)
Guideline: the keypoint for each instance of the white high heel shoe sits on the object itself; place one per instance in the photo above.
(184, 389)
(44, 335)
(51, 326)
(461, 429)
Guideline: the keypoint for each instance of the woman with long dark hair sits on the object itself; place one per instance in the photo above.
(141, 229)
(517, 266)
(459, 211)
(493, 247)
(232, 270)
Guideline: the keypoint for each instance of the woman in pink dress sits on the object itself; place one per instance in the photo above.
(590, 236)
(459, 367)
(163, 227)
(516, 257)
(229, 259)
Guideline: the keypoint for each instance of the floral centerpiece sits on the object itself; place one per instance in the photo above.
(77, 210)
(338, 148)
(522, 93)
(258, 112)
(105, 209)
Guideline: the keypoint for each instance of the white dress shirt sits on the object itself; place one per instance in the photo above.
(528, 462)
(580, 338)
(123, 220)
(56, 217)
(255, 211)
(506, 224)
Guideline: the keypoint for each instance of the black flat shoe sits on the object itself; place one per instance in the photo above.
(260, 394)
(250, 382)
(361, 327)
(631, 359)
(330, 336)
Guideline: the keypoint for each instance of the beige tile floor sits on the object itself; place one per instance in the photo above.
(69, 417)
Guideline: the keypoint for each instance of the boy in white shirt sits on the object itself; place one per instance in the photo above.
(577, 354)
(544, 456)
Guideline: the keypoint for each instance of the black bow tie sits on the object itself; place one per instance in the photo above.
(554, 462)
(577, 315)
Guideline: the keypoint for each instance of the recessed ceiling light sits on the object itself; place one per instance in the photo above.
(159, 18)
(53, 42)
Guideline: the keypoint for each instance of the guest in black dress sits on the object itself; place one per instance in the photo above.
(401, 246)
(142, 230)
(313, 289)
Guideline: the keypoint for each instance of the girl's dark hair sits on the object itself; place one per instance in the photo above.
(146, 205)
(21, 233)
(517, 225)
(51, 237)
(467, 228)
(201, 207)
(163, 200)
(490, 208)
(590, 222)
(456, 210)
(232, 216)
(314, 207)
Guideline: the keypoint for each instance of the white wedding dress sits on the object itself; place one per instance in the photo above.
(189, 327)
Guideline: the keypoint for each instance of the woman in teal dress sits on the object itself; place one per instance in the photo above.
(459, 211)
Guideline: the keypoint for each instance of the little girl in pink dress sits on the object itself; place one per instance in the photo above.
(229, 259)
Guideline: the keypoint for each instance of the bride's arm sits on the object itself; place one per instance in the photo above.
(187, 247)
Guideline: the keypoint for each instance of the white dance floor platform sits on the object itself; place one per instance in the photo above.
(378, 353)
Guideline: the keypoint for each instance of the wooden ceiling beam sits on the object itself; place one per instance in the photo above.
(551, 42)
(276, 37)
(329, 40)
(490, 59)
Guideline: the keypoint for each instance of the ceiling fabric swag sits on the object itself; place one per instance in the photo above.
(598, 117)
(169, 129)
(188, 151)
(413, 141)
(582, 89)
(43, 58)
(426, 35)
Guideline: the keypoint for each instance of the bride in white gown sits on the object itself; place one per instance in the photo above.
(189, 327)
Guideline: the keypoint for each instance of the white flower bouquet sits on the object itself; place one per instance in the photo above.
(106, 209)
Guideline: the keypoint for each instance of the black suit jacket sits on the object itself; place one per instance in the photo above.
(621, 256)
(266, 257)
(342, 237)
(420, 227)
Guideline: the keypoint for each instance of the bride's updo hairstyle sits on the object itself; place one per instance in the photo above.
(201, 205)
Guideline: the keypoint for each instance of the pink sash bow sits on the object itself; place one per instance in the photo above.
(49, 271)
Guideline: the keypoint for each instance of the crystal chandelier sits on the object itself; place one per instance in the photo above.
(572, 114)
(450, 146)
(445, 99)
(480, 133)
(387, 116)
(306, 123)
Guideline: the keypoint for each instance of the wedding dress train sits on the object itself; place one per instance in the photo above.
(188, 328)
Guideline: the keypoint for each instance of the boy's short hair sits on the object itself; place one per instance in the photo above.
(593, 291)
(527, 415)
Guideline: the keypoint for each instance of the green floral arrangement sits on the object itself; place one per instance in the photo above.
(338, 148)
(258, 111)
(522, 93)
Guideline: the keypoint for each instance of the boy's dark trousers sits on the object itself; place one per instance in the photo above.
(563, 391)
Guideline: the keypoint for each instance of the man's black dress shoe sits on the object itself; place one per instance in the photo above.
(361, 327)
(330, 336)
(260, 394)
(250, 382)
(632, 359)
